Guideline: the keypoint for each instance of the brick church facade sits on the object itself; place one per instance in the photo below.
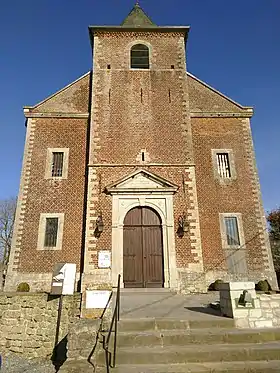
(141, 163)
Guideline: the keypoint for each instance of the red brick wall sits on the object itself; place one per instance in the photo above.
(214, 198)
(49, 196)
(124, 122)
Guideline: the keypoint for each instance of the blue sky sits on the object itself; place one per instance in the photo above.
(233, 45)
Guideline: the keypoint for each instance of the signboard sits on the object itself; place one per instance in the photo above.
(104, 259)
(63, 279)
(97, 298)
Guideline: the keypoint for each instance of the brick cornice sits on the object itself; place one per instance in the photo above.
(55, 115)
(197, 114)
(193, 114)
(141, 165)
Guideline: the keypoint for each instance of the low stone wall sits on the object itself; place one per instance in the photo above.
(267, 315)
(82, 339)
(270, 311)
(28, 322)
(262, 310)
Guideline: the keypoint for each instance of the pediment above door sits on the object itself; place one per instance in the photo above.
(142, 181)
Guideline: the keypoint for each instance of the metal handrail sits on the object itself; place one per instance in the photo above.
(109, 356)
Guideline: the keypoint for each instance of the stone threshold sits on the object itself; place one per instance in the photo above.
(146, 290)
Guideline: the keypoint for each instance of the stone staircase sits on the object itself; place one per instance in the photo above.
(164, 345)
(198, 346)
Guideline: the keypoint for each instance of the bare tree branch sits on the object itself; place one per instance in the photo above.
(7, 218)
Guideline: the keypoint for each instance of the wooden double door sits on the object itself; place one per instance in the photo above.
(142, 249)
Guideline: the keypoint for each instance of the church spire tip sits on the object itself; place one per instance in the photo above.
(137, 17)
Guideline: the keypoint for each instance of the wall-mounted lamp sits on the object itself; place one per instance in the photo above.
(183, 225)
(99, 225)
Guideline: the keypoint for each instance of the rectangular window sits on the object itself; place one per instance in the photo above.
(223, 165)
(51, 232)
(232, 232)
(57, 164)
(57, 161)
(233, 242)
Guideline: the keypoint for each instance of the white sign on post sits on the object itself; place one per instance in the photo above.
(69, 279)
(63, 280)
(97, 298)
(104, 259)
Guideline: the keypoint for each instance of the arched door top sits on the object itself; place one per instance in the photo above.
(142, 216)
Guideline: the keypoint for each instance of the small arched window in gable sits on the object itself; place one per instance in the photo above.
(140, 57)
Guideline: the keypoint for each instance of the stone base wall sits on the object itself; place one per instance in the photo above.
(187, 281)
(28, 322)
(97, 279)
(191, 282)
(199, 282)
(38, 282)
(255, 277)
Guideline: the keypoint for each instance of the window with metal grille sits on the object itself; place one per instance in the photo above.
(232, 231)
(57, 164)
(223, 165)
(51, 232)
(140, 57)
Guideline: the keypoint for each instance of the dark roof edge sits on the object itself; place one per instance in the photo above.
(140, 28)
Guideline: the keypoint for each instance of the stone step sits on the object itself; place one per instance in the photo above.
(196, 336)
(78, 366)
(224, 367)
(148, 324)
(201, 353)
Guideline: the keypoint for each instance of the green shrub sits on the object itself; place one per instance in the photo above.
(263, 285)
(215, 286)
(23, 287)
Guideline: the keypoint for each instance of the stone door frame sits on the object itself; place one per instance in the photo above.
(162, 203)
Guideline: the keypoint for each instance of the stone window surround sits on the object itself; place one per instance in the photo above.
(233, 175)
(238, 216)
(128, 51)
(49, 160)
(42, 229)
